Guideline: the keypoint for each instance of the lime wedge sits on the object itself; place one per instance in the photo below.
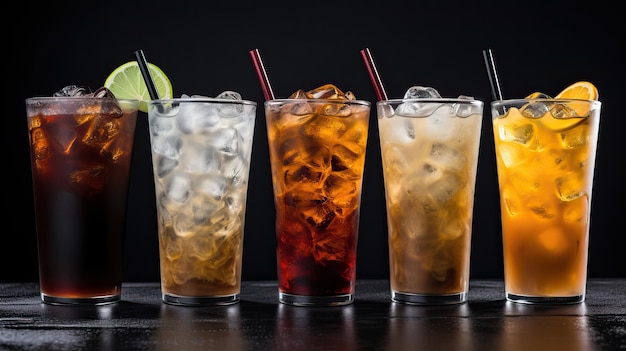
(126, 82)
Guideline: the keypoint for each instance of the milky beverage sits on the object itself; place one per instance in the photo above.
(429, 148)
(317, 142)
(81, 146)
(201, 152)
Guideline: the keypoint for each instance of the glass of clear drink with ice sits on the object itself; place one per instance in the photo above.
(429, 148)
(201, 152)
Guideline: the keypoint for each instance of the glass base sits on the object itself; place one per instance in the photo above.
(200, 301)
(80, 301)
(302, 300)
(545, 300)
(428, 299)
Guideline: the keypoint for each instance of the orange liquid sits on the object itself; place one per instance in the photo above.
(545, 172)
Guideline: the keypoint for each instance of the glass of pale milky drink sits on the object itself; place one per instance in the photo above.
(201, 151)
(429, 148)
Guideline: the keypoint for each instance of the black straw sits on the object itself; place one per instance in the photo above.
(490, 64)
(147, 77)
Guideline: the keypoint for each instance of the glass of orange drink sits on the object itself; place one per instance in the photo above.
(545, 153)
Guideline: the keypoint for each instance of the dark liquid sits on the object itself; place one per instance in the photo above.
(307, 265)
(80, 190)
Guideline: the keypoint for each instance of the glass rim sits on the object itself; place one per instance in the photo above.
(70, 98)
(558, 100)
(324, 101)
(430, 100)
(200, 99)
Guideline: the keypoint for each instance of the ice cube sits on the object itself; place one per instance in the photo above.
(417, 109)
(327, 91)
(72, 90)
(226, 140)
(229, 95)
(200, 158)
(160, 125)
(465, 110)
(230, 110)
(299, 94)
(197, 117)
(326, 128)
(522, 133)
(570, 186)
(235, 169)
(178, 188)
(328, 248)
(103, 93)
(444, 188)
(192, 116)
(420, 92)
(345, 155)
(385, 111)
(169, 146)
(575, 138)
(535, 109)
(447, 157)
(212, 185)
(165, 165)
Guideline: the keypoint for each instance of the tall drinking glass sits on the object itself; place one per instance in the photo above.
(317, 155)
(545, 153)
(429, 149)
(81, 150)
(201, 152)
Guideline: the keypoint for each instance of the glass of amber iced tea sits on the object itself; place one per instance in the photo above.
(81, 148)
(317, 142)
(545, 153)
(429, 148)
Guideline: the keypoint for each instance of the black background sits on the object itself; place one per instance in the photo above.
(203, 48)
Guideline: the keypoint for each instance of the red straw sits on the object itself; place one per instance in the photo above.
(260, 71)
(373, 72)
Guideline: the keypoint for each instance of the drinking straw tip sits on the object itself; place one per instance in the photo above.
(147, 76)
(373, 73)
(490, 64)
(261, 74)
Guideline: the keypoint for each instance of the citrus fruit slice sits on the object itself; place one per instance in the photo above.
(579, 90)
(127, 82)
(572, 112)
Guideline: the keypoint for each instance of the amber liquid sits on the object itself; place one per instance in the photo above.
(80, 178)
(545, 171)
(317, 162)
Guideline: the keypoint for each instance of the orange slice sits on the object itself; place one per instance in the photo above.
(579, 90)
(567, 115)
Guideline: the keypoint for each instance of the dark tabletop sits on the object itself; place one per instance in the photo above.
(258, 322)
